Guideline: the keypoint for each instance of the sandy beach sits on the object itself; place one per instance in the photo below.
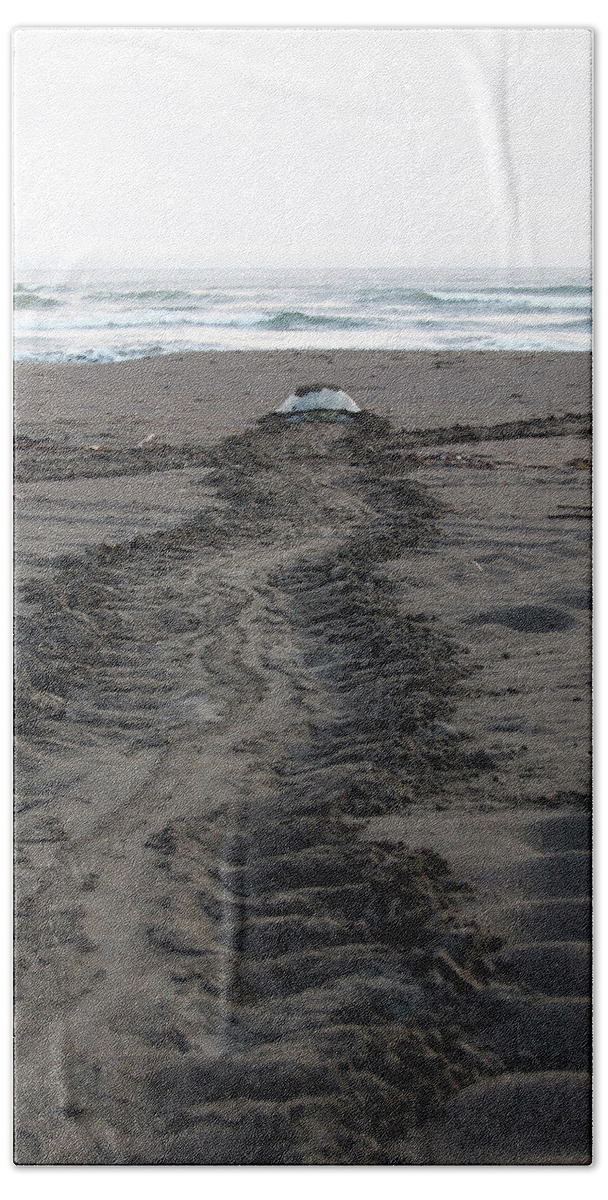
(190, 398)
(303, 760)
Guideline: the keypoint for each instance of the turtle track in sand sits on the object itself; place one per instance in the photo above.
(538, 1110)
(42, 458)
(213, 966)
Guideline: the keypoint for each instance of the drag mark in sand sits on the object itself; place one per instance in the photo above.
(208, 716)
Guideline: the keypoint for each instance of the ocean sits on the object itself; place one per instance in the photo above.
(103, 318)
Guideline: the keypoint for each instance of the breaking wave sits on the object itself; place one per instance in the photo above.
(25, 298)
(299, 320)
(108, 319)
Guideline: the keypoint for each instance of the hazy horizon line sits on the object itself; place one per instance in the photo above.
(514, 275)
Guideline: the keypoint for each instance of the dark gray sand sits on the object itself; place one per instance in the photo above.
(303, 762)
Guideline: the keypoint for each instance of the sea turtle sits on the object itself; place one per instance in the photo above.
(323, 396)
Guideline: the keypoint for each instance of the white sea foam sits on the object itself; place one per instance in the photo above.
(103, 320)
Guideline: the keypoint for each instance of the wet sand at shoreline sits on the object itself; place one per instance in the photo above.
(275, 680)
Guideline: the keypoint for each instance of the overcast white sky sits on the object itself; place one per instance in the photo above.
(425, 149)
